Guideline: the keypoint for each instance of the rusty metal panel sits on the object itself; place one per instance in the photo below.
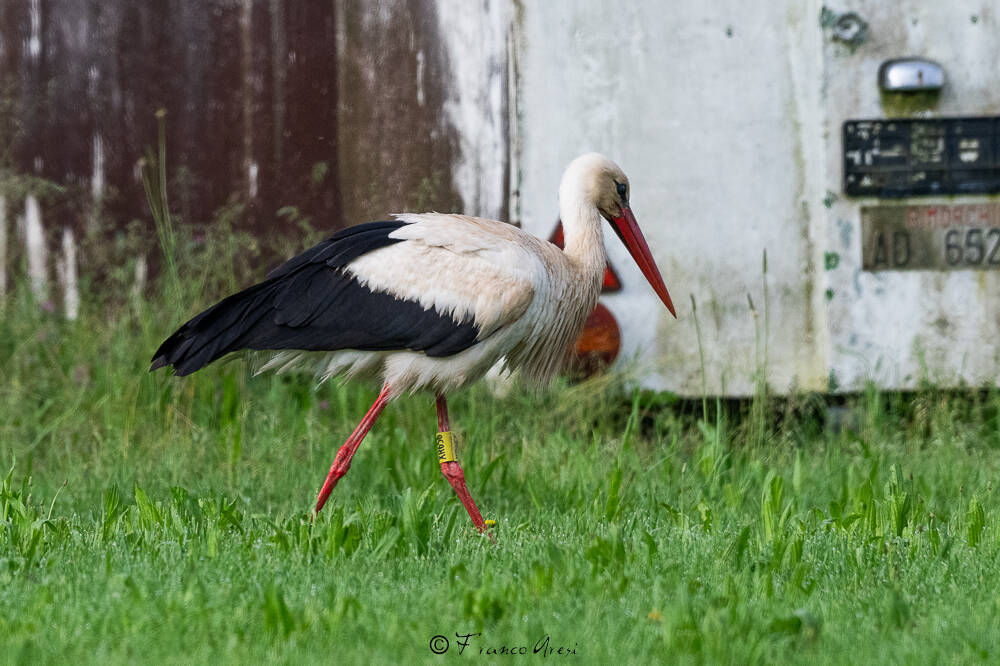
(250, 112)
(337, 108)
(395, 144)
(278, 113)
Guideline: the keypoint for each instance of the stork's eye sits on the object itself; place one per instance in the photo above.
(623, 192)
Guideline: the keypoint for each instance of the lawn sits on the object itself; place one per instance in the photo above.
(149, 519)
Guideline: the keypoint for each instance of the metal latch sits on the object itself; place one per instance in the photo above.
(910, 75)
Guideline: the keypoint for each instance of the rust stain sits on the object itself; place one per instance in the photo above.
(396, 153)
(334, 108)
(236, 91)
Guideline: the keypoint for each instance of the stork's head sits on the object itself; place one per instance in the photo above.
(594, 180)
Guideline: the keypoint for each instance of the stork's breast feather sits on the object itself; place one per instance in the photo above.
(471, 276)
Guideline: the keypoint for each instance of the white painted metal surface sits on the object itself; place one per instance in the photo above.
(715, 110)
(728, 118)
(474, 37)
(897, 328)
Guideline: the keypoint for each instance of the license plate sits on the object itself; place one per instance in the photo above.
(943, 238)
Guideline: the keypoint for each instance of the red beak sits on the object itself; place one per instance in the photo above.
(628, 231)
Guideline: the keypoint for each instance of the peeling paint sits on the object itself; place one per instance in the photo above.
(140, 277)
(34, 46)
(253, 170)
(421, 96)
(97, 170)
(34, 245)
(475, 37)
(67, 273)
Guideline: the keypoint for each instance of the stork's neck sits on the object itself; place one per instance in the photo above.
(583, 236)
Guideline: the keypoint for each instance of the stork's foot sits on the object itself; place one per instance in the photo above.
(456, 477)
(339, 468)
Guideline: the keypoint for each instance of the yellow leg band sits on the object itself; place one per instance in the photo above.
(445, 448)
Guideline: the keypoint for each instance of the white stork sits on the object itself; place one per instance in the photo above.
(428, 301)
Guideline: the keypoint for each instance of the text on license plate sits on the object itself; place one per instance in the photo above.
(957, 237)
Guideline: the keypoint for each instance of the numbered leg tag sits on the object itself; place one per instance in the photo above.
(445, 448)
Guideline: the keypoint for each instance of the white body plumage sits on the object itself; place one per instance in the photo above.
(528, 298)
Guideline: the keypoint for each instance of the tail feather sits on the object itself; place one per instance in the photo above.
(215, 332)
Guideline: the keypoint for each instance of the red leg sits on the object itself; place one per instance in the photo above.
(342, 462)
(453, 472)
(442, 406)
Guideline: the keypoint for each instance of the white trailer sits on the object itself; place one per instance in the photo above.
(729, 118)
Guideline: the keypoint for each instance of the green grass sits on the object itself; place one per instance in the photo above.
(155, 520)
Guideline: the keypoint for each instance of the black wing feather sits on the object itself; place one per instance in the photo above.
(311, 303)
